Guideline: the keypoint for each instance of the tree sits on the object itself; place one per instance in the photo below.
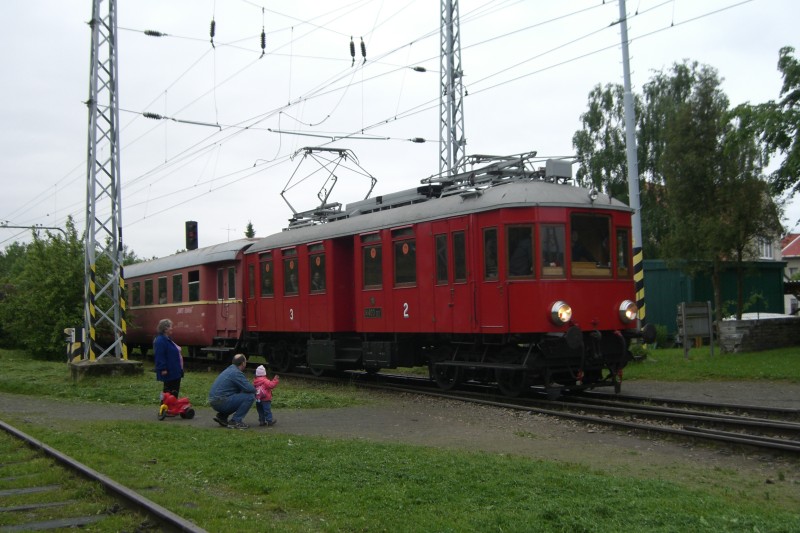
(249, 232)
(44, 294)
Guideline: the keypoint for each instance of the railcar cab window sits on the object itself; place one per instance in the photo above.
(162, 290)
(405, 256)
(589, 245)
(177, 288)
(490, 254)
(148, 292)
(316, 267)
(459, 257)
(623, 254)
(265, 268)
(291, 284)
(194, 285)
(552, 243)
(442, 274)
(230, 293)
(372, 260)
(231, 283)
(520, 251)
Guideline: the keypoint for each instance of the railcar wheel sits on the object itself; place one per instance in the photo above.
(281, 359)
(316, 371)
(446, 377)
(510, 382)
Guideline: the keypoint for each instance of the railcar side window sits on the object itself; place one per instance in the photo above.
(220, 284)
(490, 254)
(372, 260)
(231, 283)
(405, 256)
(623, 254)
(459, 257)
(136, 297)
(177, 288)
(194, 285)
(552, 244)
(316, 267)
(148, 292)
(291, 283)
(162, 290)
(265, 266)
(251, 281)
(520, 251)
(441, 259)
(589, 245)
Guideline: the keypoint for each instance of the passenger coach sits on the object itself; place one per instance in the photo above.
(199, 290)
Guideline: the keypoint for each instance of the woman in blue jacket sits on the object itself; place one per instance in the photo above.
(169, 362)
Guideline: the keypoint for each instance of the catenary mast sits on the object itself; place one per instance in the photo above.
(452, 144)
(104, 292)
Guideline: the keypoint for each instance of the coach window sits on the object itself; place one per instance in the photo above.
(519, 241)
(136, 296)
(177, 288)
(251, 281)
(148, 292)
(231, 283)
(552, 243)
(459, 257)
(316, 267)
(162, 290)
(265, 267)
(490, 254)
(290, 279)
(220, 284)
(194, 285)
(372, 259)
(441, 259)
(405, 256)
(623, 254)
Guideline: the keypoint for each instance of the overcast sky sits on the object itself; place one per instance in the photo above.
(225, 159)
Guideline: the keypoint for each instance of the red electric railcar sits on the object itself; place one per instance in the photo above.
(199, 290)
(501, 275)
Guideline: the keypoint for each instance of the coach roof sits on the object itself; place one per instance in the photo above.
(226, 251)
(507, 195)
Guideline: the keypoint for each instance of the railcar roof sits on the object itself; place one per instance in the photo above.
(507, 195)
(226, 251)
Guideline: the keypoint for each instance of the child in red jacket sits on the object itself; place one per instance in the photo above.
(264, 388)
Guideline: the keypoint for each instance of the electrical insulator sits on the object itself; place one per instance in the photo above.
(154, 33)
(352, 51)
(213, 31)
(263, 41)
(363, 51)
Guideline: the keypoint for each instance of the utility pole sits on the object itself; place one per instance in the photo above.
(104, 295)
(633, 167)
(452, 144)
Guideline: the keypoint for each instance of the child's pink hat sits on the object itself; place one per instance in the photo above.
(261, 371)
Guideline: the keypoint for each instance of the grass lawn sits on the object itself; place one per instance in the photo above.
(266, 481)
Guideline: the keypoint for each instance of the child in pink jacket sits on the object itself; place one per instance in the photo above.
(264, 388)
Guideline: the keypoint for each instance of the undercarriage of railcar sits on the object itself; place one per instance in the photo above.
(574, 360)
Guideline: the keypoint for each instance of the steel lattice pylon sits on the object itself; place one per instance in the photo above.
(104, 283)
(452, 144)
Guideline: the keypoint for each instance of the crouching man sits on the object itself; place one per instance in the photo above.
(232, 395)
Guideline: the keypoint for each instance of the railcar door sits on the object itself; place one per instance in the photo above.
(493, 299)
(228, 306)
(452, 292)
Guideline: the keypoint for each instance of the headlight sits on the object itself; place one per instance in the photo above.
(628, 311)
(560, 313)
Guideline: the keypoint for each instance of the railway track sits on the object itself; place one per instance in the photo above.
(750, 427)
(42, 488)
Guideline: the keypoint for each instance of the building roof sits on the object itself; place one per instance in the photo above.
(790, 245)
